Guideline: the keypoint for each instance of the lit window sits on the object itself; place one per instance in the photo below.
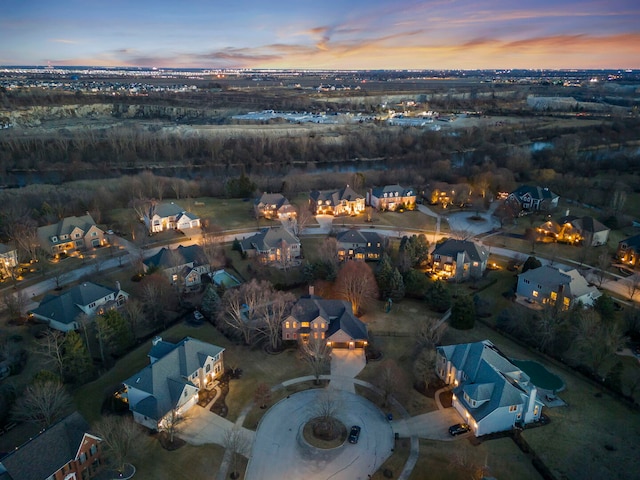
(535, 293)
(304, 324)
(286, 325)
(513, 408)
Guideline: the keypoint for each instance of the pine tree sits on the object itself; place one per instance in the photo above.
(463, 314)
(78, 366)
(210, 301)
(384, 273)
(438, 297)
(396, 286)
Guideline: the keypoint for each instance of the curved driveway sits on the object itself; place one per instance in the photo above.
(279, 453)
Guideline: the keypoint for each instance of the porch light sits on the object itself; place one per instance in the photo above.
(328, 343)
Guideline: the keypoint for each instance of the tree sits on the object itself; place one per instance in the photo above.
(210, 301)
(316, 354)
(42, 403)
(416, 284)
(171, 422)
(133, 311)
(463, 315)
(114, 333)
(50, 348)
(438, 297)
(122, 439)
(262, 395)
(604, 306)
(632, 285)
(391, 379)
(154, 293)
(603, 263)
(424, 367)
(430, 332)
(243, 308)
(270, 325)
(595, 341)
(530, 264)
(77, 362)
(237, 443)
(356, 284)
(16, 303)
(324, 410)
(414, 251)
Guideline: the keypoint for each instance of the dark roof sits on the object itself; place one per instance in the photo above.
(46, 453)
(354, 235)
(540, 193)
(276, 199)
(165, 378)
(632, 242)
(164, 210)
(336, 196)
(391, 190)
(546, 275)
(64, 308)
(268, 238)
(169, 258)
(451, 248)
(337, 313)
(584, 224)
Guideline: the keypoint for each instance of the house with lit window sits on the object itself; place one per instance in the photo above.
(392, 198)
(628, 251)
(274, 245)
(8, 259)
(169, 216)
(553, 286)
(527, 199)
(459, 259)
(354, 244)
(345, 201)
(490, 393)
(313, 317)
(71, 234)
(169, 385)
(64, 451)
(61, 312)
(576, 230)
(183, 266)
(273, 205)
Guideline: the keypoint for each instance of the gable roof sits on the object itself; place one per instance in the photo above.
(164, 210)
(165, 379)
(65, 227)
(276, 199)
(334, 197)
(353, 235)
(451, 248)
(6, 248)
(337, 313)
(537, 193)
(49, 451)
(391, 190)
(269, 238)
(631, 242)
(65, 308)
(169, 258)
(546, 275)
(585, 224)
(490, 377)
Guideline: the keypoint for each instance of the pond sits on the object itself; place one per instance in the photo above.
(539, 375)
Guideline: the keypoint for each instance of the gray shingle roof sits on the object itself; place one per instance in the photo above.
(164, 210)
(537, 193)
(546, 275)
(276, 199)
(46, 453)
(391, 191)
(584, 224)
(451, 248)
(65, 227)
(632, 243)
(268, 238)
(168, 258)
(337, 313)
(166, 378)
(336, 196)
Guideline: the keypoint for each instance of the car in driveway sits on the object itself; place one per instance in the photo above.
(459, 429)
(354, 434)
(198, 318)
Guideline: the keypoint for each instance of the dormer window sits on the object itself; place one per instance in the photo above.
(54, 239)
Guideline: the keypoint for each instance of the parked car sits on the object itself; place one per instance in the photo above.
(198, 317)
(354, 434)
(459, 428)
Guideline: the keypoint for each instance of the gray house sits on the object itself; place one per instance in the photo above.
(392, 197)
(171, 382)
(529, 199)
(71, 234)
(549, 285)
(459, 259)
(490, 393)
(354, 244)
(272, 246)
(184, 266)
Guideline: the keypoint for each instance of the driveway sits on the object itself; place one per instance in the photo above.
(280, 452)
(325, 222)
(201, 426)
(432, 425)
(345, 365)
(463, 222)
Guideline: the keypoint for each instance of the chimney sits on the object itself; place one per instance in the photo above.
(156, 340)
(118, 285)
(311, 290)
(567, 214)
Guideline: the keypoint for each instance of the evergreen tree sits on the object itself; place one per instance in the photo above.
(384, 273)
(438, 297)
(531, 264)
(416, 283)
(210, 302)
(463, 314)
(78, 366)
(396, 286)
(114, 333)
(604, 306)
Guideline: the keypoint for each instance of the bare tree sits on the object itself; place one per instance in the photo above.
(302, 220)
(154, 293)
(324, 410)
(262, 395)
(632, 285)
(237, 443)
(50, 349)
(171, 423)
(595, 340)
(316, 354)
(328, 251)
(390, 380)
(271, 324)
(16, 303)
(603, 263)
(134, 313)
(356, 283)
(122, 439)
(424, 367)
(430, 331)
(42, 403)
(60, 275)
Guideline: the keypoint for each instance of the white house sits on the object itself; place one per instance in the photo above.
(490, 393)
(172, 380)
(169, 216)
(61, 311)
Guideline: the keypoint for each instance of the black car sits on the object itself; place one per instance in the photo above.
(354, 434)
(459, 428)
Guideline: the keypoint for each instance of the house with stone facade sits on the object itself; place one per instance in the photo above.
(345, 201)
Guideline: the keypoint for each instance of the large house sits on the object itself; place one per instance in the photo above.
(274, 245)
(571, 229)
(355, 244)
(8, 259)
(392, 197)
(64, 451)
(490, 393)
(71, 234)
(169, 216)
(184, 266)
(61, 311)
(629, 251)
(172, 380)
(459, 259)
(273, 205)
(549, 285)
(336, 202)
(527, 199)
(313, 317)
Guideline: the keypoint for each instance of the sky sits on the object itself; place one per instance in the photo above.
(323, 34)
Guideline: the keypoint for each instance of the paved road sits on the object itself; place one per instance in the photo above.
(280, 452)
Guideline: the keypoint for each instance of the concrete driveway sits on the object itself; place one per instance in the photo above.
(461, 221)
(432, 425)
(345, 365)
(201, 426)
(280, 452)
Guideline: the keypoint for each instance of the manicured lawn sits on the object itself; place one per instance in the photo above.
(187, 462)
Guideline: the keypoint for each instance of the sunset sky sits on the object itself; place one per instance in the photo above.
(346, 34)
